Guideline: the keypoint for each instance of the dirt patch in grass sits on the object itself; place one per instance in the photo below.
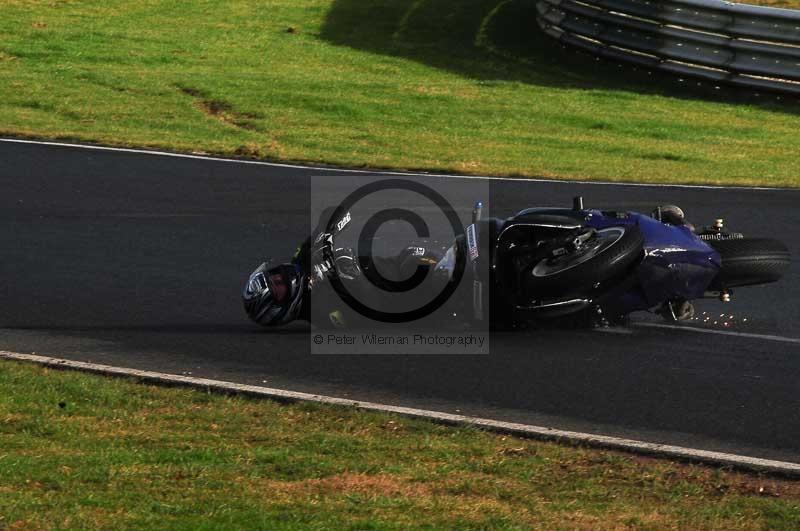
(222, 110)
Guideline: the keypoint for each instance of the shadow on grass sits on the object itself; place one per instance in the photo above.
(499, 40)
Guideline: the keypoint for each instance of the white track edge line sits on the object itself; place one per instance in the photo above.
(525, 430)
(732, 333)
(379, 172)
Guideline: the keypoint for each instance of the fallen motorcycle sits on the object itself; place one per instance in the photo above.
(604, 265)
(554, 265)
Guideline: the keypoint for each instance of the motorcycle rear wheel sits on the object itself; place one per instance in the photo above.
(616, 250)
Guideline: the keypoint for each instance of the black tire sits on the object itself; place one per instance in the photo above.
(609, 264)
(750, 261)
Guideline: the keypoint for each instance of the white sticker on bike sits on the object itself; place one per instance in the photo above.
(343, 222)
(472, 243)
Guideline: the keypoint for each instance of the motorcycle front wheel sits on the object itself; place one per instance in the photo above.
(750, 261)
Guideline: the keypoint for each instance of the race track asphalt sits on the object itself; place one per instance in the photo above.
(137, 260)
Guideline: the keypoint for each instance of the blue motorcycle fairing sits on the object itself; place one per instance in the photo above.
(676, 263)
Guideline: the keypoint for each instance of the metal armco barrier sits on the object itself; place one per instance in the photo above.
(753, 47)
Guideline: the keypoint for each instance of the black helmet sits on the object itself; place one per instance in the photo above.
(274, 296)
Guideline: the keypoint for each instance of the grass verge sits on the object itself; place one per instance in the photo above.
(467, 86)
(80, 451)
(790, 4)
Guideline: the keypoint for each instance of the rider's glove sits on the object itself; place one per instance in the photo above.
(325, 260)
(321, 258)
(346, 263)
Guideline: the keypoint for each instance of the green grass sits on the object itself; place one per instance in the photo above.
(453, 85)
(791, 4)
(83, 451)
